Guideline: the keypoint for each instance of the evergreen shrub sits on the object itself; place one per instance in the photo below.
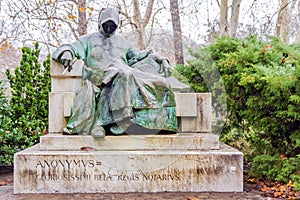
(262, 96)
(24, 116)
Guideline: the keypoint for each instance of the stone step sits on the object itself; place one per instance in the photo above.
(37, 171)
(179, 141)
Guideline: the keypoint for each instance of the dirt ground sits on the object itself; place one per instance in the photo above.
(6, 193)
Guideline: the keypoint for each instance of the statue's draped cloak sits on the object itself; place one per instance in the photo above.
(113, 91)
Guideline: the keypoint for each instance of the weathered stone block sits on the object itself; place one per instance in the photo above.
(57, 121)
(39, 171)
(68, 103)
(67, 82)
(57, 69)
(186, 104)
(62, 84)
(202, 122)
(180, 141)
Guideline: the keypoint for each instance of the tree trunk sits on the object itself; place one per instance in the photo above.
(141, 38)
(234, 19)
(177, 39)
(82, 22)
(223, 18)
(283, 21)
(140, 22)
(297, 39)
(137, 21)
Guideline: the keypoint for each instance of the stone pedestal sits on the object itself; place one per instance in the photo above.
(192, 160)
(180, 141)
(110, 170)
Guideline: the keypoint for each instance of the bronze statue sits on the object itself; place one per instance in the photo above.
(124, 90)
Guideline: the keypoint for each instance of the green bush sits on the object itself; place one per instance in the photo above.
(24, 118)
(277, 167)
(10, 138)
(262, 98)
(5, 123)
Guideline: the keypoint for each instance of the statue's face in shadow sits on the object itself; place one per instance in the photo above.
(109, 27)
(108, 22)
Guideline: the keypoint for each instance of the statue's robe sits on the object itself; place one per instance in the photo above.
(116, 92)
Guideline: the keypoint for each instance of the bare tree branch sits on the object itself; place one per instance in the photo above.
(136, 12)
(152, 25)
(148, 13)
(234, 19)
(223, 18)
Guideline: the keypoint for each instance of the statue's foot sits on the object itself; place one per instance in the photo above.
(66, 131)
(117, 130)
(98, 132)
(121, 126)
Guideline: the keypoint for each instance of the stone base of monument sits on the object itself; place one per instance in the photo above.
(82, 164)
(180, 141)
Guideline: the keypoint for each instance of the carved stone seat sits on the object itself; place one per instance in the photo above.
(193, 109)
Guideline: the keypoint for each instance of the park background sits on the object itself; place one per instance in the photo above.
(246, 53)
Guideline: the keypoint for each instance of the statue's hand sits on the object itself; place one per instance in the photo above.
(66, 59)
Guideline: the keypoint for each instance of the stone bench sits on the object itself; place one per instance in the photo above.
(193, 109)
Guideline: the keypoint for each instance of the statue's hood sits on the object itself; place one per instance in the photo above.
(108, 14)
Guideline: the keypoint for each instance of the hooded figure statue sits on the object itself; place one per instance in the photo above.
(124, 90)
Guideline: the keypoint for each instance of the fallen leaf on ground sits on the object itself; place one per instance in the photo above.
(3, 183)
(265, 188)
(10, 180)
(277, 194)
(193, 198)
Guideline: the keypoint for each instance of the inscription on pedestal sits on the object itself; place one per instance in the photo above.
(90, 170)
(48, 170)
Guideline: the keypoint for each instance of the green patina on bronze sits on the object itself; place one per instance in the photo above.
(122, 87)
